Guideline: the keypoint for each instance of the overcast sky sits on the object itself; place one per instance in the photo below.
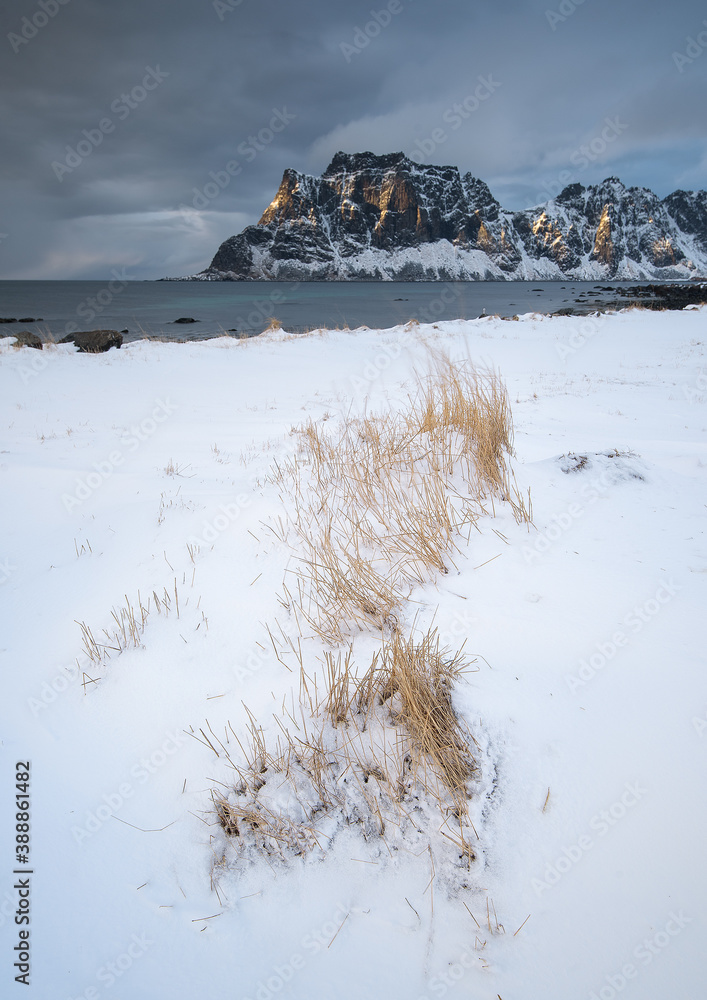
(115, 115)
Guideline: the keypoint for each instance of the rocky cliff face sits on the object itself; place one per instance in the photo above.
(388, 218)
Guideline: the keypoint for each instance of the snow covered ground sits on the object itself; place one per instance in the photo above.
(140, 470)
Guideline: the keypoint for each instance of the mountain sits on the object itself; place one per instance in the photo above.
(374, 217)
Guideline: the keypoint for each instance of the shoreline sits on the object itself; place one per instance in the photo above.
(674, 296)
(91, 315)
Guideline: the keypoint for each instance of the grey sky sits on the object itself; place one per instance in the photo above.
(533, 82)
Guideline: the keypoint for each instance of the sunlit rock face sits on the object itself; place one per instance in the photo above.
(372, 217)
(603, 249)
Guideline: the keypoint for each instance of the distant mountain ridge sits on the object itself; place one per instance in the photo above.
(372, 217)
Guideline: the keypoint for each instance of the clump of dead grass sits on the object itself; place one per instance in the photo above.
(379, 503)
(376, 504)
(129, 621)
(367, 753)
(420, 678)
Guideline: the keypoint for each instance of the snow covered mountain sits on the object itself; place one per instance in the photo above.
(374, 217)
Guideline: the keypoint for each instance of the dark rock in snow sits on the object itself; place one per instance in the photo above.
(674, 296)
(27, 339)
(94, 341)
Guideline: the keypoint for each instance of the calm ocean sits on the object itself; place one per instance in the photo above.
(149, 308)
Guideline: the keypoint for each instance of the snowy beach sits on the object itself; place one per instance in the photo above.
(147, 474)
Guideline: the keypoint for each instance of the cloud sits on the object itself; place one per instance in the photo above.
(228, 70)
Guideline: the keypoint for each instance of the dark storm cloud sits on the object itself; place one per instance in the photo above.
(179, 118)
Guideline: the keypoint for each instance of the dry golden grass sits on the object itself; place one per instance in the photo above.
(129, 622)
(380, 503)
(366, 752)
(421, 677)
(172, 468)
(270, 831)
(376, 505)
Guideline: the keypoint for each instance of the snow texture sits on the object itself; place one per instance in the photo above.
(143, 470)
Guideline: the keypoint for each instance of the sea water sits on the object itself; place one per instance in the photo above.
(150, 308)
